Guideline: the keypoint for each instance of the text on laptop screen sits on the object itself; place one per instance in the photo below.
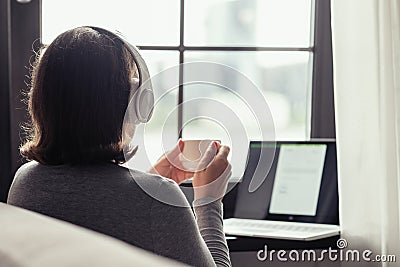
(298, 179)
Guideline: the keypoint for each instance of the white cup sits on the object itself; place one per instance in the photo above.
(192, 153)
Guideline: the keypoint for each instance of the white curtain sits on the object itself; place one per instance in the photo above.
(366, 47)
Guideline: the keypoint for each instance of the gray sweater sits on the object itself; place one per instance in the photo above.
(106, 198)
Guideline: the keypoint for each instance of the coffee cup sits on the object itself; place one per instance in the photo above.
(192, 153)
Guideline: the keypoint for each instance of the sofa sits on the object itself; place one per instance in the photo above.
(31, 239)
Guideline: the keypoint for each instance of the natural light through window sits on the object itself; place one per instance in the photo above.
(270, 41)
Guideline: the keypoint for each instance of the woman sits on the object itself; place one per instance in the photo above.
(79, 94)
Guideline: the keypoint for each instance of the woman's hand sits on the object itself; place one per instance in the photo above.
(169, 165)
(214, 171)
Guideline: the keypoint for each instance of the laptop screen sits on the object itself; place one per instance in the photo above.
(301, 184)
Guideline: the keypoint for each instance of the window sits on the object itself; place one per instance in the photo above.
(270, 41)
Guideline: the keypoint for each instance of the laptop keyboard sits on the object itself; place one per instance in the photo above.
(267, 226)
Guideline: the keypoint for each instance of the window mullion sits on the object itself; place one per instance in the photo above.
(181, 60)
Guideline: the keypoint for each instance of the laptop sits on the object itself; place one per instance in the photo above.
(289, 190)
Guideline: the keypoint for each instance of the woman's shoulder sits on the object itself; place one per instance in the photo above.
(164, 190)
(27, 169)
(111, 175)
(143, 178)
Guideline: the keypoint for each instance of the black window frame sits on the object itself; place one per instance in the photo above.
(20, 32)
(320, 39)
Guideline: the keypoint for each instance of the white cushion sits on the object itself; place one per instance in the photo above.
(31, 239)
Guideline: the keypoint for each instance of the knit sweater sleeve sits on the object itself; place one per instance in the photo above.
(177, 234)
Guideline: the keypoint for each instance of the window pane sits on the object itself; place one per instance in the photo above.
(283, 78)
(150, 22)
(158, 60)
(281, 23)
(156, 129)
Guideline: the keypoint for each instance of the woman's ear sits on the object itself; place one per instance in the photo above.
(130, 122)
(128, 131)
(134, 85)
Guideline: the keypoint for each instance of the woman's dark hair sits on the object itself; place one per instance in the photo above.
(79, 92)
